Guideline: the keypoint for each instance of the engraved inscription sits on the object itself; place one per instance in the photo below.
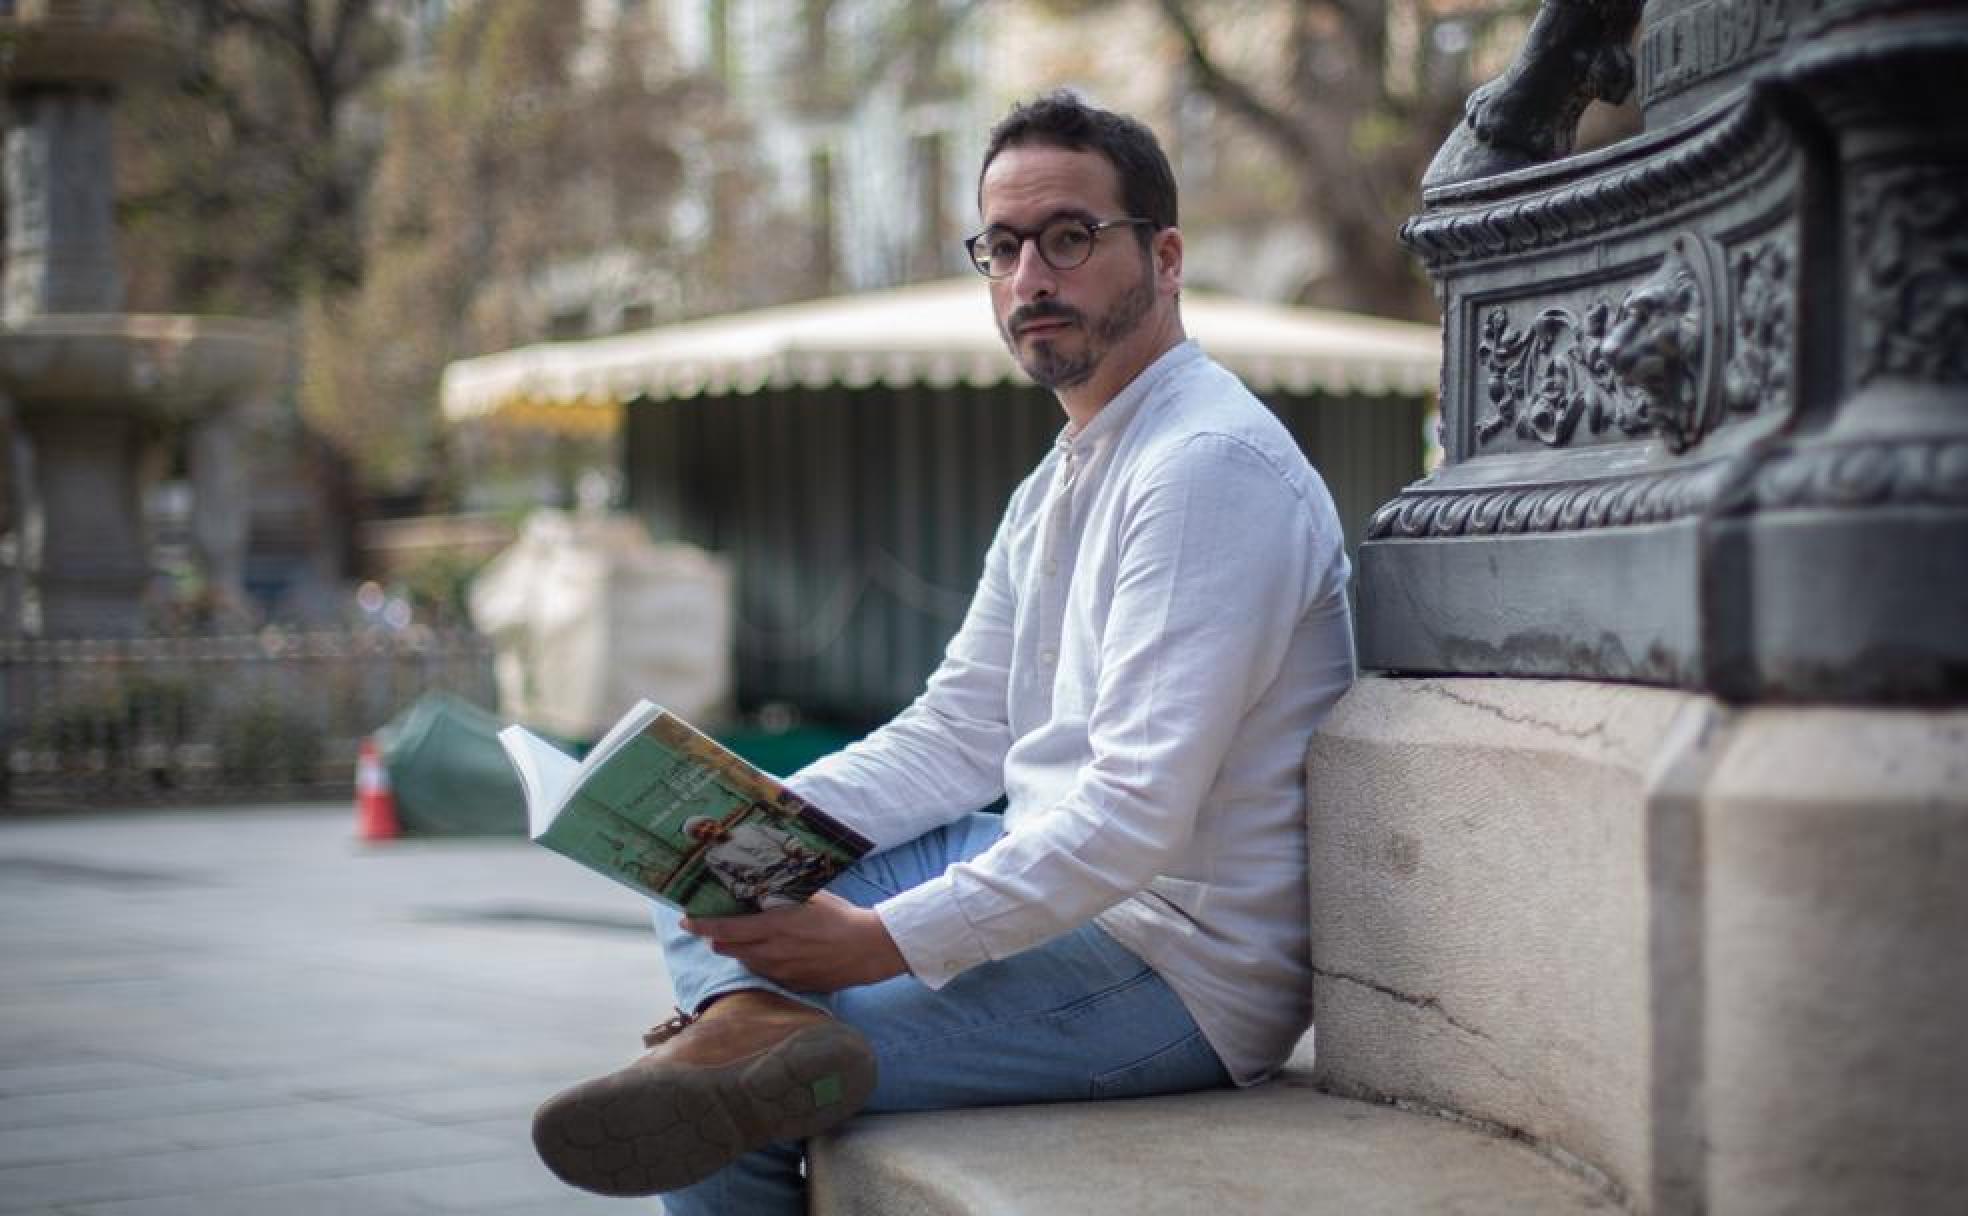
(1701, 41)
(1708, 39)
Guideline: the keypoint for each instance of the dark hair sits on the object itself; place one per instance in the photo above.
(1064, 121)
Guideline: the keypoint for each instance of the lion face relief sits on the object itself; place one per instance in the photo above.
(1654, 348)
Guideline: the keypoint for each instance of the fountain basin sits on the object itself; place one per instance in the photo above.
(156, 365)
(84, 44)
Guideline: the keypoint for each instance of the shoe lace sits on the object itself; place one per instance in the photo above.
(659, 1034)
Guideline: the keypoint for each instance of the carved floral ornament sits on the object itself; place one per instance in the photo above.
(1672, 358)
(1910, 231)
(1866, 474)
(1565, 507)
(1698, 341)
(1635, 366)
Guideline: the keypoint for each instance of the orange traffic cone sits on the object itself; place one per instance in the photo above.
(375, 806)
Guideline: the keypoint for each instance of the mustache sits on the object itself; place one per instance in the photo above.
(1040, 310)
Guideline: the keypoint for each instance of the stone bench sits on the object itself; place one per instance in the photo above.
(1281, 1148)
(1693, 953)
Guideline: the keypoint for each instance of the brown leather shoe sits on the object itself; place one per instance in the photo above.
(754, 1067)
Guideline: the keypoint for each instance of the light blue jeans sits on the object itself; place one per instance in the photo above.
(1075, 1018)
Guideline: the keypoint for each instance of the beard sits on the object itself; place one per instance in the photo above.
(1053, 365)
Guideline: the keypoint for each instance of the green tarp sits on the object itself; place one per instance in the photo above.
(448, 772)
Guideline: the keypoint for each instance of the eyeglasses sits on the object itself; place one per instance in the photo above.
(1063, 244)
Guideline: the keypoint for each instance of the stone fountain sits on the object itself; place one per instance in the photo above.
(94, 389)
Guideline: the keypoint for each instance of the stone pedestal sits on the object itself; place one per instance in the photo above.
(95, 556)
(1709, 956)
(1705, 405)
(221, 502)
(1833, 918)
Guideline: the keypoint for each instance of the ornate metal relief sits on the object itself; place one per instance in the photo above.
(1866, 474)
(1543, 379)
(1762, 331)
(1737, 464)
(1706, 337)
(1658, 347)
(1576, 208)
(1564, 507)
(1910, 229)
(1641, 366)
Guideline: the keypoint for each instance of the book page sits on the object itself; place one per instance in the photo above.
(626, 727)
(545, 772)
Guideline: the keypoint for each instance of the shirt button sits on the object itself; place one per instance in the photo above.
(1048, 657)
(1052, 565)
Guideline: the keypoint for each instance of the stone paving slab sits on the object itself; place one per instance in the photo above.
(247, 1011)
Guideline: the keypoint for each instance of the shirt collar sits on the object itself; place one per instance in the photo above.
(1113, 418)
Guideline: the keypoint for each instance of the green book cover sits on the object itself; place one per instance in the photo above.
(671, 813)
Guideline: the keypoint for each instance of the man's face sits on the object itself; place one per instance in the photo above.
(1064, 326)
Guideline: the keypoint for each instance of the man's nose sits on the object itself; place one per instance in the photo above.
(1033, 278)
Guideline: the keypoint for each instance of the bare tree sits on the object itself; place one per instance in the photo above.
(243, 178)
(1352, 116)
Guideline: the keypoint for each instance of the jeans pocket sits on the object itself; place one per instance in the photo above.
(1187, 1064)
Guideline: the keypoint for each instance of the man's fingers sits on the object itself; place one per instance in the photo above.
(752, 953)
(758, 927)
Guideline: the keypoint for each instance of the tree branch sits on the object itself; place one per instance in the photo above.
(1232, 93)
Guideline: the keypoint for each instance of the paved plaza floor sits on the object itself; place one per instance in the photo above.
(245, 1010)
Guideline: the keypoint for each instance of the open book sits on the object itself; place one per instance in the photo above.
(674, 815)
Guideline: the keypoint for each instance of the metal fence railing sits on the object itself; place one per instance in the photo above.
(274, 715)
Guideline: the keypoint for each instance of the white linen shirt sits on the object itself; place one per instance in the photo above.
(1160, 626)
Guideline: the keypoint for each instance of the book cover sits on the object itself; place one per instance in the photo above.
(673, 814)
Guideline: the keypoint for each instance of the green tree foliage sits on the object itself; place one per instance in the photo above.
(240, 179)
(526, 150)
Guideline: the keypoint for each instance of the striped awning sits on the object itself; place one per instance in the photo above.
(937, 334)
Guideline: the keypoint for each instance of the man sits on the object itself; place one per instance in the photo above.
(1160, 625)
(749, 861)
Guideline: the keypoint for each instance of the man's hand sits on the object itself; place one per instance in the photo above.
(822, 945)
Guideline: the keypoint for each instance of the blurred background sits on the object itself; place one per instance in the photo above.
(547, 353)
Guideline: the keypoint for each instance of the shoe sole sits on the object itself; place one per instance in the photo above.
(652, 1128)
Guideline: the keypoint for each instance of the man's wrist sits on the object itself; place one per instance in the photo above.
(883, 948)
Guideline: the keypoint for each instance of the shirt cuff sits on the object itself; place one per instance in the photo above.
(929, 929)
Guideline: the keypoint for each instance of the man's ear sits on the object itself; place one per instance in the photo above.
(1166, 250)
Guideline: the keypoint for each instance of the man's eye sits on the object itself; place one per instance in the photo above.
(1067, 238)
(1002, 246)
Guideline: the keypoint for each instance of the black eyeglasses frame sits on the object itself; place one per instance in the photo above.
(1093, 227)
